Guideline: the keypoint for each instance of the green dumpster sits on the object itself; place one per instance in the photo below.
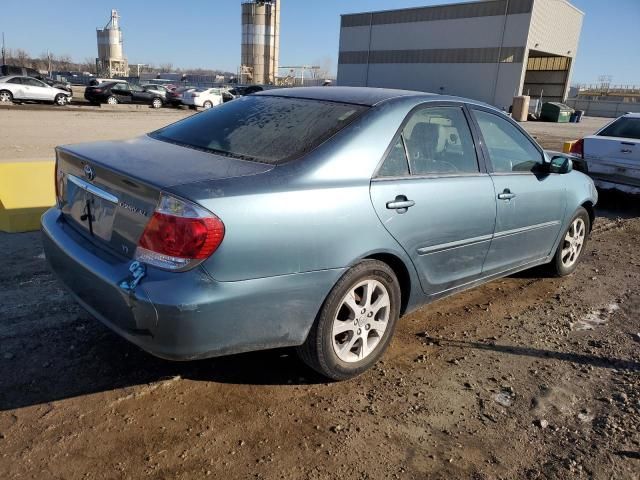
(555, 112)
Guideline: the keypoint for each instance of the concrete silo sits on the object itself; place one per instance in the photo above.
(111, 61)
(260, 41)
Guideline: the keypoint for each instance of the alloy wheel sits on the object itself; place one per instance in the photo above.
(112, 100)
(5, 97)
(573, 242)
(360, 321)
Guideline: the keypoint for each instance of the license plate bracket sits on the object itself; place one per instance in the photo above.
(91, 207)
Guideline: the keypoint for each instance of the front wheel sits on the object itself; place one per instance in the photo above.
(572, 245)
(157, 103)
(356, 322)
(6, 97)
(60, 100)
(207, 105)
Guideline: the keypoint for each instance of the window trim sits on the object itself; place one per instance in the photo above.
(480, 157)
(485, 150)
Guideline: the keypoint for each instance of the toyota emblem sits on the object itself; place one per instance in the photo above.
(89, 172)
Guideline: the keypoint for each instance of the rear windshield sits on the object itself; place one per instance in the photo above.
(264, 129)
(624, 127)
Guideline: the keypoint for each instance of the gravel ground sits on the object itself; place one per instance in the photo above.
(526, 377)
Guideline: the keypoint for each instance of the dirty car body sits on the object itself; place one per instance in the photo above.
(331, 181)
(612, 154)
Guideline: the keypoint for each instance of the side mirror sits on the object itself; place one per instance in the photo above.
(560, 164)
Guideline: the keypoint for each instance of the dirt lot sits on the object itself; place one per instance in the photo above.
(524, 378)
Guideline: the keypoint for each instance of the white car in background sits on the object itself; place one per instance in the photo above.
(203, 97)
(612, 155)
(21, 88)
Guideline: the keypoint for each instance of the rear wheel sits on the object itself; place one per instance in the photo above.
(60, 100)
(112, 100)
(157, 103)
(572, 245)
(356, 322)
(6, 96)
(207, 104)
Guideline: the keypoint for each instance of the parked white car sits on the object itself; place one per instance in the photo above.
(19, 88)
(203, 97)
(612, 154)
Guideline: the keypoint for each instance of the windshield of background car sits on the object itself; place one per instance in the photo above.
(625, 127)
(266, 129)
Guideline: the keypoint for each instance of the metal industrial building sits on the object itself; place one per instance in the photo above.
(111, 61)
(489, 50)
(260, 41)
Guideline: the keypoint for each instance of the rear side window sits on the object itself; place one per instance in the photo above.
(16, 80)
(264, 129)
(510, 150)
(439, 141)
(624, 127)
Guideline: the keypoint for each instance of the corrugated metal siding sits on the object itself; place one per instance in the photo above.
(435, 55)
(440, 12)
(555, 28)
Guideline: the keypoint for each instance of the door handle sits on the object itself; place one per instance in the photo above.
(626, 150)
(401, 204)
(506, 195)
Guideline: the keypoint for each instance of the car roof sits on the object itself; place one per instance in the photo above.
(357, 95)
(632, 115)
(367, 96)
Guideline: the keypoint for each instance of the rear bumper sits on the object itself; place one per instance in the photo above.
(188, 315)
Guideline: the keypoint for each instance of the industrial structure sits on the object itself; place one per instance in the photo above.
(260, 41)
(111, 61)
(488, 50)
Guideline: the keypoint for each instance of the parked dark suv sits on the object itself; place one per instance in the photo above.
(122, 92)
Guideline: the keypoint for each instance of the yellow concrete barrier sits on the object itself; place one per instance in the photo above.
(26, 191)
(566, 147)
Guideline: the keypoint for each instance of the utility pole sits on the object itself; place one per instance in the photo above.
(4, 62)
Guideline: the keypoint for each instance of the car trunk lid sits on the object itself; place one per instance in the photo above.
(111, 189)
(613, 159)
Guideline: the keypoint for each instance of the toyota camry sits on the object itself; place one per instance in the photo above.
(307, 217)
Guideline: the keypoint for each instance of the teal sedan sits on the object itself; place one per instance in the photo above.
(307, 217)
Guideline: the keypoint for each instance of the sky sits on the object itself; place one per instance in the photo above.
(206, 33)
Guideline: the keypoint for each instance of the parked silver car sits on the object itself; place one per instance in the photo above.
(612, 154)
(19, 88)
(309, 217)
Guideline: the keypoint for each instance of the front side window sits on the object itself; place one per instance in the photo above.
(32, 82)
(266, 129)
(510, 150)
(439, 141)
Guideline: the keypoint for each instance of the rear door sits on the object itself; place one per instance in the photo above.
(530, 204)
(17, 87)
(434, 196)
(613, 154)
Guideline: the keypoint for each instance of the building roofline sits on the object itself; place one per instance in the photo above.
(413, 8)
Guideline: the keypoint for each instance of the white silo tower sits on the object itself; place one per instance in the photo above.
(111, 61)
(260, 41)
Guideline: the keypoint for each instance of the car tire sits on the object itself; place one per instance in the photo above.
(156, 103)
(6, 96)
(207, 105)
(60, 100)
(345, 340)
(112, 100)
(572, 244)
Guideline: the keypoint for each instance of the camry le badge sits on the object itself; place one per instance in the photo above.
(89, 172)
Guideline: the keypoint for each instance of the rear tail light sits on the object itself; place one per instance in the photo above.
(59, 184)
(98, 90)
(578, 148)
(179, 235)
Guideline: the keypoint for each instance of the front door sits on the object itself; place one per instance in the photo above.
(530, 203)
(122, 92)
(436, 199)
